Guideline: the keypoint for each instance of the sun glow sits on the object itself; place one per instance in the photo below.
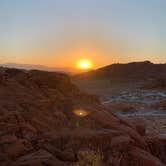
(84, 64)
(81, 112)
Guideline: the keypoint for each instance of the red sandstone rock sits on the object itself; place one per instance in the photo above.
(39, 158)
(140, 157)
(38, 125)
(158, 147)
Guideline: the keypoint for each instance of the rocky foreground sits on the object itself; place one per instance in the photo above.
(45, 120)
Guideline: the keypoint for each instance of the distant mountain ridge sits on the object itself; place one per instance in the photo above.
(37, 67)
(130, 71)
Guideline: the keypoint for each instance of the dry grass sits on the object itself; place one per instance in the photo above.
(90, 158)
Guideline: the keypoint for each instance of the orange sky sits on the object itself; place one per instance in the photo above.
(59, 33)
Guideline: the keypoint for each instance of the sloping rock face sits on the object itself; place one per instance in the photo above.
(158, 83)
(43, 122)
(137, 71)
(157, 146)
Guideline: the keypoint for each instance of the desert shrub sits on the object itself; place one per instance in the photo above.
(90, 158)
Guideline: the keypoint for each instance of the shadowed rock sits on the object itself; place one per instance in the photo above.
(38, 125)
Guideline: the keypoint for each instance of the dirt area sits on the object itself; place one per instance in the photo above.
(132, 103)
(104, 87)
(144, 107)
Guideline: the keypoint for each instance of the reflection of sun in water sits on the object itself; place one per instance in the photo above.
(84, 64)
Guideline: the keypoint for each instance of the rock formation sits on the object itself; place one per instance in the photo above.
(135, 71)
(39, 127)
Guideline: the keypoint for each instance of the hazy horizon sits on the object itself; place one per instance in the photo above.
(58, 33)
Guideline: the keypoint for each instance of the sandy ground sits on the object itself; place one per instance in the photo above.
(142, 100)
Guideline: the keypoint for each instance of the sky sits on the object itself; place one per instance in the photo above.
(57, 33)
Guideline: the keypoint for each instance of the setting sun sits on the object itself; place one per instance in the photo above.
(84, 64)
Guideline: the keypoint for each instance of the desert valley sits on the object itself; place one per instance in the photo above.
(97, 118)
(82, 83)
